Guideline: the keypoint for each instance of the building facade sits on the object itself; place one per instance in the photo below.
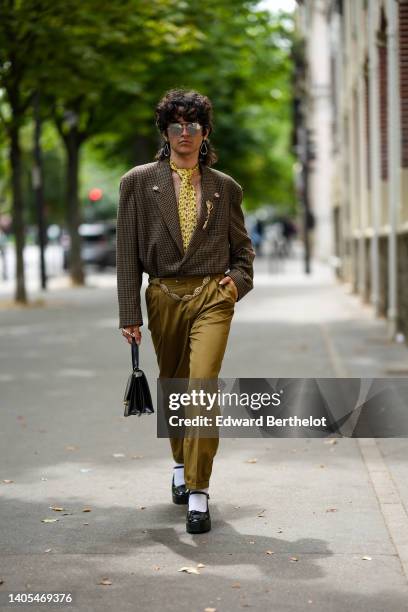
(366, 46)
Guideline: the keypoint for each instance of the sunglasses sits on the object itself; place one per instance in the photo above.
(176, 129)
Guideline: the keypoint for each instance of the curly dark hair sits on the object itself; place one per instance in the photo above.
(191, 106)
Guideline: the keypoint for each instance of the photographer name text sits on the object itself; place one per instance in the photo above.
(260, 421)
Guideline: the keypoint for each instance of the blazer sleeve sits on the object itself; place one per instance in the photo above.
(129, 269)
(242, 253)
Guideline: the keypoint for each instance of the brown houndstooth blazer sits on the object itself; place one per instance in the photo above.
(148, 235)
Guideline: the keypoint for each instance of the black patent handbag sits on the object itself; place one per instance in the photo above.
(137, 398)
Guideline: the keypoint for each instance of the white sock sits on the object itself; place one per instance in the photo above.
(178, 472)
(198, 502)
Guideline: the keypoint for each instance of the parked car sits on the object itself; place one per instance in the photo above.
(98, 244)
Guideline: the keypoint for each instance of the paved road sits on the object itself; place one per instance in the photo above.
(332, 516)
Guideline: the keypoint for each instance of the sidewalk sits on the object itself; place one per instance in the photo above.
(297, 523)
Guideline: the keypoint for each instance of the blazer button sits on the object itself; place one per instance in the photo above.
(155, 187)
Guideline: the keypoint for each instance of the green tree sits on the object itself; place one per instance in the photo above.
(239, 57)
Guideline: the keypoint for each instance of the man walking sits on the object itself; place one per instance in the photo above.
(181, 221)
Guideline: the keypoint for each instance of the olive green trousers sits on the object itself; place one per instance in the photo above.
(190, 338)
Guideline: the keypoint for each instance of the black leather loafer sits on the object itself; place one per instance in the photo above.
(180, 493)
(196, 521)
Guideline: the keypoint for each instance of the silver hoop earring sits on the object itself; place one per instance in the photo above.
(203, 151)
(166, 149)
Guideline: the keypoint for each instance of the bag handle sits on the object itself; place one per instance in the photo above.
(135, 354)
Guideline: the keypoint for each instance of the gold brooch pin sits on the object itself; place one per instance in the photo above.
(210, 206)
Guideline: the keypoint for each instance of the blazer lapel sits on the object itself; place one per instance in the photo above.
(208, 188)
(167, 202)
(168, 206)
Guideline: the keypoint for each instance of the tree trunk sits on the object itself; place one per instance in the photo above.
(144, 148)
(18, 216)
(73, 143)
(38, 186)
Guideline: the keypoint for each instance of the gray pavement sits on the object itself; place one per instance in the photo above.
(308, 525)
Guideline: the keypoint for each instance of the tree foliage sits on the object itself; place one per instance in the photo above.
(102, 66)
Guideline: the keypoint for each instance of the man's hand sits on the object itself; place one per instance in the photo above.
(132, 330)
(226, 280)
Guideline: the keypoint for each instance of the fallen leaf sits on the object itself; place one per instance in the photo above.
(261, 514)
(47, 550)
(56, 508)
(200, 565)
(294, 559)
(331, 441)
(366, 558)
(270, 552)
(331, 510)
(49, 520)
(253, 460)
(236, 585)
(8, 481)
(189, 570)
(105, 581)
(86, 509)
